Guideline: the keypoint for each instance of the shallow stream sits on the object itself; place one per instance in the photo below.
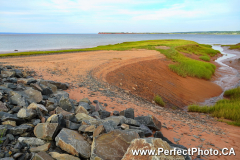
(229, 76)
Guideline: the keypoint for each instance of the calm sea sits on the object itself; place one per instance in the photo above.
(25, 42)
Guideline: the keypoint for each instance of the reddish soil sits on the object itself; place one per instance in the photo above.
(152, 77)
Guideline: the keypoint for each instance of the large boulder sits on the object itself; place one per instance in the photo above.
(33, 95)
(73, 143)
(150, 144)
(112, 145)
(149, 121)
(46, 131)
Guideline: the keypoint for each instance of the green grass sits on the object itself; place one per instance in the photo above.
(205, 58)
(183, 66)
(233, 93)
(198, 49)
(159, 101)
(225, 108)
(235, 46)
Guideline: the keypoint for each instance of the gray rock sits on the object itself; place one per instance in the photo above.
(4, 129)
(59, 85)
(33, 95)
(130, 122)
(31, 81)
(12, 86)
(151, 144)
(17, 155)
(104, 114)
(32, 141)
(12, 80)
(8, 73)
(18, 73)
(65, 104)
(73, 143)
(42, 156)
(35, 121)
(16, 98)
(149, 121)
(112, 145)
(95, 115)
(46, 131)
(46, 90)
(86, 128)
(35, 106)
(20, 129)
(146, 130)
(26, 113)
(46, 83)
(86, 100)
(83, 116)
(116, 113)
(3, 107)
(7, 158)
(85, 105)
(128, 113)
(72, 126)
(7, 116)
(58, 156)
(5, 89)
(10, 137)
(109, 126)
(60, 94)
(139, 132)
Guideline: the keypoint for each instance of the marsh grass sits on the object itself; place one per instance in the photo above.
(159, 101)
(225, 108)
(205, 58)
(236, 46)
(183, 66)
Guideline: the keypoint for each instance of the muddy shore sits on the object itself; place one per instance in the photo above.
(81, 69)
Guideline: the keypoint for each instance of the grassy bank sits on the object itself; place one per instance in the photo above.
(183, 65)
(235, 46)
(228, 108)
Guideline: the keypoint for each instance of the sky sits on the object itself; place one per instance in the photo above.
(93, 16)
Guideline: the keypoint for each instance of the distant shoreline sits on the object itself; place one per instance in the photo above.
(207, 33)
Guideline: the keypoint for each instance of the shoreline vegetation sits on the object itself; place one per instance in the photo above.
(200, 32)
(235, 46)
(227, 108)
(182, 65)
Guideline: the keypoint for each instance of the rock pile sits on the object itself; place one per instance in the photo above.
(39, 121)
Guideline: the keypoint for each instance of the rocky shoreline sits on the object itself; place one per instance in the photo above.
(40, 121)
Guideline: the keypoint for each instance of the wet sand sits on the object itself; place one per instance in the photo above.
(109, 66)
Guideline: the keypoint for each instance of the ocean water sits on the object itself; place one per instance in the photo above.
(26, 42)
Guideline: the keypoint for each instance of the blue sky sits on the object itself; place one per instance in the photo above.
(92, 16)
